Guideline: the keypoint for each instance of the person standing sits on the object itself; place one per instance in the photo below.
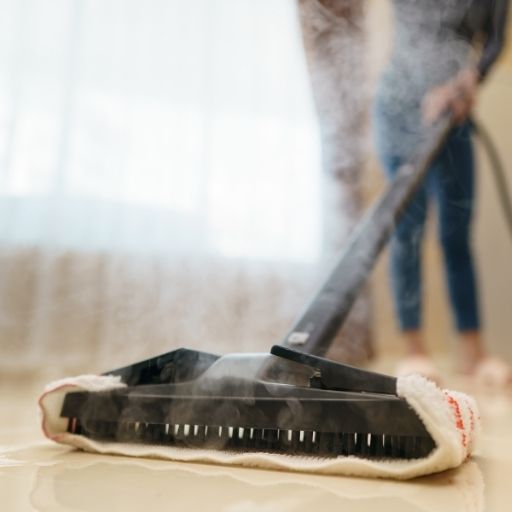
(443, 50)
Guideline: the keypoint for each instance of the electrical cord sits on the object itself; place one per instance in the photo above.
(498, 170)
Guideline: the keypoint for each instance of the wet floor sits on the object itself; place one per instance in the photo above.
(39, 475)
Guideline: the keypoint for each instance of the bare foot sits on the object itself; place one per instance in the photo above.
(414, 343)
(493, 373)
(420, 364)
(471, 352)
(417, 359)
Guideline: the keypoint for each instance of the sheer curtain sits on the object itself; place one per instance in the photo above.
(160, 126)
(159, 177)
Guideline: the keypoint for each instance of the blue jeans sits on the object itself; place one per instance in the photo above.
(450, 181)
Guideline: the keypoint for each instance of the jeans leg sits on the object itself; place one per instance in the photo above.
(395, 144)
(405, 258)
(452, 183)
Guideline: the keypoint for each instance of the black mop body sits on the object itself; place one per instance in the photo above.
(330, 410)
(291, 401)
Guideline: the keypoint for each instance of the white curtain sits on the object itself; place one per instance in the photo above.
(166, 126)
(159, 178)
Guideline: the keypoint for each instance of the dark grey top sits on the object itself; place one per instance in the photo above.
(488, 18)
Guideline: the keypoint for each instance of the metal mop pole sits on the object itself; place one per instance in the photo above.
(315, 329)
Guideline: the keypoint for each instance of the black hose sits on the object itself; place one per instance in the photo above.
(498, 171)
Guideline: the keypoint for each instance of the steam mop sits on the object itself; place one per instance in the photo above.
(291, 408)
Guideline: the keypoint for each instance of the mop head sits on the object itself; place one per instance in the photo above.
(450, 418)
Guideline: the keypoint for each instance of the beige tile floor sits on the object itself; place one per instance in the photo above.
(38, 475)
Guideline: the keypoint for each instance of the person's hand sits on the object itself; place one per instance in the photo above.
(457, 96)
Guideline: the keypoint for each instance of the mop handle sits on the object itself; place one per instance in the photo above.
(315, 329)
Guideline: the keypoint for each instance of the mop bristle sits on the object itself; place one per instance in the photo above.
(293, 442)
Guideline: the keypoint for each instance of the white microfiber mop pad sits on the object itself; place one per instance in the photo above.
(450, 417)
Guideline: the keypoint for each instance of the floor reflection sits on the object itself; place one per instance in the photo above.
(85, 482)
